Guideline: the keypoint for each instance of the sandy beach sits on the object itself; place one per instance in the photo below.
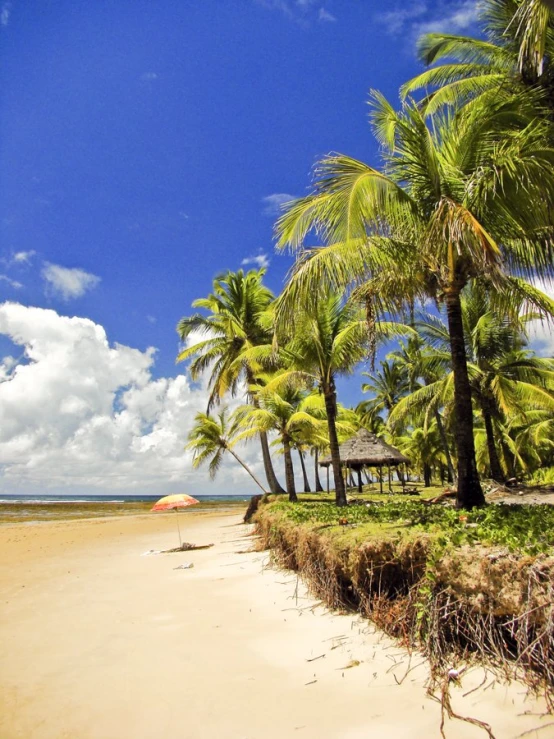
(101, 642)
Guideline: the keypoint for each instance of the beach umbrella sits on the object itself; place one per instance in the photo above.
(175, 502)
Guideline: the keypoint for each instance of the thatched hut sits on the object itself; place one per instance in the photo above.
(366, 450)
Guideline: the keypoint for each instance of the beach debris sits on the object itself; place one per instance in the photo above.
(184, 566)
(454, 674)
(186, 546)
(149, 552)
(313, 659)
(352, 663)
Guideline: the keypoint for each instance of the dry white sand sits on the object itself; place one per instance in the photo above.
(99, 642)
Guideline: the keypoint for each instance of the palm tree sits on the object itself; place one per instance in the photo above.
(280, 412)
(234, 324)
(506, 379)
(518, 53)
(325, 338)
(423, 446)
(464, 199)
(422, 365)
(210, 438)
(387, 385)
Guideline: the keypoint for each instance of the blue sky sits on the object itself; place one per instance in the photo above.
(145, 148)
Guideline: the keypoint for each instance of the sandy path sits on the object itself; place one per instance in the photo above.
(98, 642)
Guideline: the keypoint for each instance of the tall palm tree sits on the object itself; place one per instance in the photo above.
(466, 198)
(211, 437)
(518, 52)
(234, 324)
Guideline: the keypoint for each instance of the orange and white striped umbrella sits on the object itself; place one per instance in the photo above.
(174, 501)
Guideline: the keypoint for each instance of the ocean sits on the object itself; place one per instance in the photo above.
(42, 508)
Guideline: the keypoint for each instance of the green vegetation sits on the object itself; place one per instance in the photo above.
(523, 529)
(434, 254)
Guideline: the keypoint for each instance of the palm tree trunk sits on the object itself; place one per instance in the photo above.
(307, 488)
(426, 475)
(444, 440)
(289, 470)
(494, 462)
(318, 486)
(245, 466)
(470, 493)
(272, 481)
(331, 408)
(274, 484)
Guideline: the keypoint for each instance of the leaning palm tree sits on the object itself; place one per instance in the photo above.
(467, 198)
(234, 325)
(211, 437)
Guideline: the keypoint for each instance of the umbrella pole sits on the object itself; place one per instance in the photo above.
(179, 529)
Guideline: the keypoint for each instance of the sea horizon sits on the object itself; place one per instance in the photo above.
(42, 508)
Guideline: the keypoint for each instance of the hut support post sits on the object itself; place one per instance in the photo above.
(327, 478)
(360, 479)
(390, 481)
(381, 479)
(404, 479)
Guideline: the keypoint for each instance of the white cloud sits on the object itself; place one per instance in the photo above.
(151, 319)
(80, 414)
(260, 260)
(325, 16)
(273, 203)
(23, 257)
(395, 20)
(149, 76)
(423, 17)
(68, 283)
(459, 18)
(13, 283)
(301, 11)
(5, 14)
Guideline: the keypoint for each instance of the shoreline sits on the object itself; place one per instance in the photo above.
(100, 642)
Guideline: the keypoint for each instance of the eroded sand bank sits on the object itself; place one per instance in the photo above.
(99, 642)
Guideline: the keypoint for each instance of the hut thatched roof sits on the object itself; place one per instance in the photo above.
(368, 450)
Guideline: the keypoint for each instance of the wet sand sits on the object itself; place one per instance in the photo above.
(99, 642)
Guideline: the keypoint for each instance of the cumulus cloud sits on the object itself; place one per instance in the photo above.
(423, 17)
(260, 260)
(81, 414)
(273, 203)
(68, 283)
